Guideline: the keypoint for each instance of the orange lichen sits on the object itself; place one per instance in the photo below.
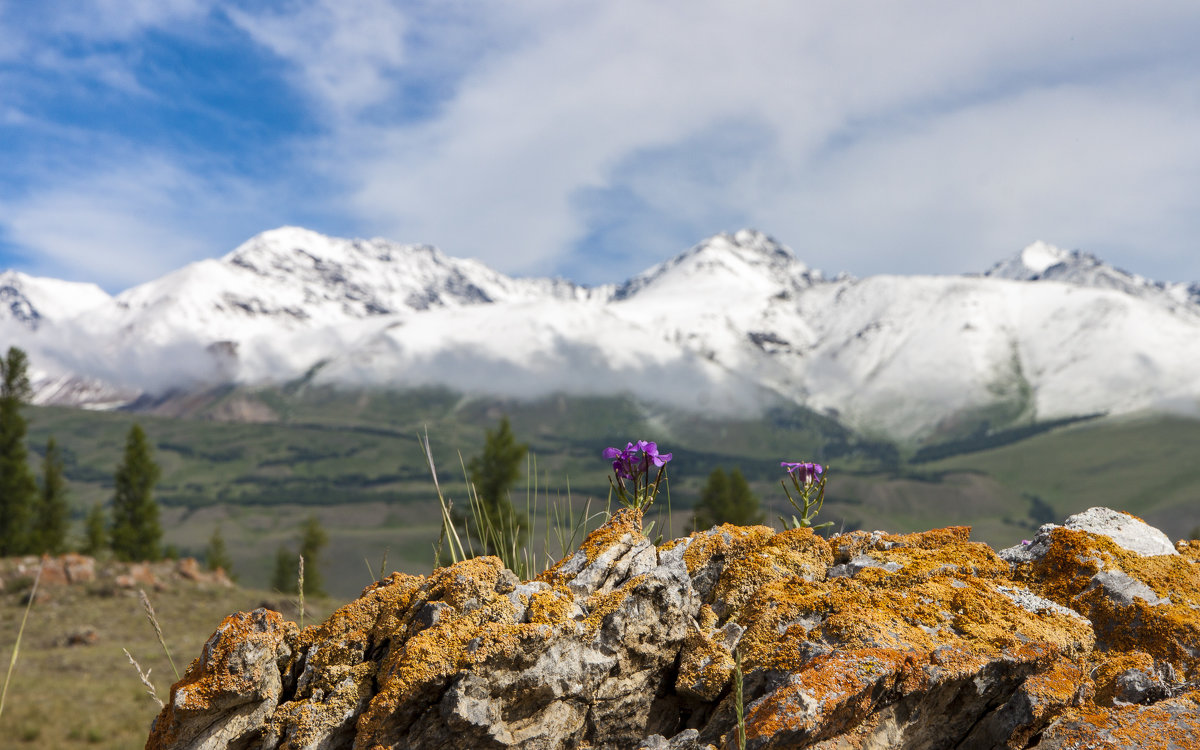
(705, 666)
(1189, 549)
(550, 606)
(1168, 631)
(751, 557)
(832, 693)
(1167, 724)
(478, 624)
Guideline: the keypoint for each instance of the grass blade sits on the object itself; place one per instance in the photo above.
(12, 662)
(157, 629)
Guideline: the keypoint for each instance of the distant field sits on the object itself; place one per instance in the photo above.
(1146, 465)
(89, 696)
(257, 463)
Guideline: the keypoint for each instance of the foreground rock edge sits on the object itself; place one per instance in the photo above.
(864, 640)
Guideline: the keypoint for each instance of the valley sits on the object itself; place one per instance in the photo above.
(258, 462)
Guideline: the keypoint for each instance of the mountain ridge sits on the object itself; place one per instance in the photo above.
(737, 322)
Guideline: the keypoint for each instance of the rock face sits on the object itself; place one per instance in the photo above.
(1088, 636)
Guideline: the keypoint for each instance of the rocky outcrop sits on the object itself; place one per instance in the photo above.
(1086, 636)
(73, 569)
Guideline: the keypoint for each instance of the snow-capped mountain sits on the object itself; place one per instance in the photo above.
(1045, 262)
(730, 325)
(29, 301)
(292, 279)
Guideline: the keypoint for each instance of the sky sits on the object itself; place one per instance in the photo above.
(591, 140)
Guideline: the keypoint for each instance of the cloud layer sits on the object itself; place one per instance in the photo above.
(593, 139)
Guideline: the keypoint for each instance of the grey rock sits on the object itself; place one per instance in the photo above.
(431, 614)
(1122, 589)
(1135, 686)
(251, 646)
(1031, 602)
(1126, 531)
(861, 562)
(610, 569)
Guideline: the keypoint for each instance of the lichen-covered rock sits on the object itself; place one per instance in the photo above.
(1088, 636)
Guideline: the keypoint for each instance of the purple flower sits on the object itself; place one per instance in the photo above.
(652, 456)
(628, 464)
(805, 473)
(623, 461)
(1024, 541)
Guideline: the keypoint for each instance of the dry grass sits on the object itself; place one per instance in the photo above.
(88, 695)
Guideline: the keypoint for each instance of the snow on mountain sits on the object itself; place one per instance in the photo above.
(732, 324)
(1042, 261)
(30, 300)
(908, 356)
(292, 279)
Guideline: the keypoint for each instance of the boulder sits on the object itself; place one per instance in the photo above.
(1087, 636)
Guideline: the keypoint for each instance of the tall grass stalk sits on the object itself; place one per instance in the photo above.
(145, 677)
(504, 539)
(146, 605)
(739, 705)
(300, 589)
(12, 661)
(449, 534)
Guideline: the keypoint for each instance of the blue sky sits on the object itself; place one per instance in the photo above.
(593, 139)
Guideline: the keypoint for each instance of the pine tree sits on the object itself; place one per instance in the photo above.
(17, 487)
(726, 498)
(311, 545)
(136, 534)
(216, 555)
(50, 512)
(95, 532)
(493, 474)
(283, 579)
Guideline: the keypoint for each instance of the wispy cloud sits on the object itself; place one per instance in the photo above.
(344, 54)
(593, 139)
(127, 221)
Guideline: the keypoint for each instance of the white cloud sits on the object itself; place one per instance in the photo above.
(117, 19)
(927, 136)
(343, 52)
(872, 130)
(123, 222)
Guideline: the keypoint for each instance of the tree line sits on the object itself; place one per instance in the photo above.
(34, 516)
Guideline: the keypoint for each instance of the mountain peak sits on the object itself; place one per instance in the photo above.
(746, 257)
(1041, 260)
(30, 300)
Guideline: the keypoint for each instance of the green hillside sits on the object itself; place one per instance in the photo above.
(257, 463)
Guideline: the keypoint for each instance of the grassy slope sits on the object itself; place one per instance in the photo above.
(353, 460)
(1145, 465)
(89, 696)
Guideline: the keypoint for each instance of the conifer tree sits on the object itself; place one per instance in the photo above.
(136, 534)
(50, 511)
(283, 578)
(95, 531)
(216, 555)
(493, 474)
(311, 545)
(726, 498)
(17, 487)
